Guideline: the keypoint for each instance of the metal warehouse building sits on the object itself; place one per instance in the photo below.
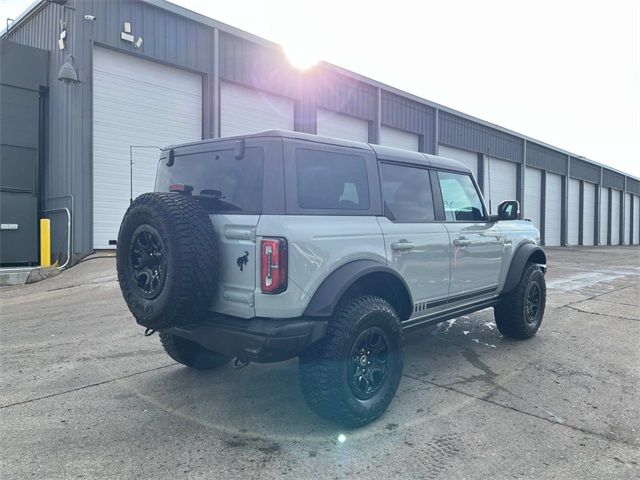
(149, 73)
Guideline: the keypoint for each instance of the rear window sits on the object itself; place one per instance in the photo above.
(222, 183)
(331, 181)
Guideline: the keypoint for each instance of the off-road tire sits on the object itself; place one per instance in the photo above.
(191, 251)
(324, 366)
(191, 354)
(512, 318)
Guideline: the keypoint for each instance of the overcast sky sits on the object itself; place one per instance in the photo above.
(564, 72)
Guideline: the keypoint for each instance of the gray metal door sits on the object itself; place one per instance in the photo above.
(476, 245)
(416, 246)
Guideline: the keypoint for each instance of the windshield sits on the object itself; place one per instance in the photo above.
(221, 182)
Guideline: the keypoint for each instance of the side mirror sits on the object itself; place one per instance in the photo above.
(508, 210)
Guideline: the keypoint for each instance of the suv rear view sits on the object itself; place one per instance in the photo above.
(280, 245)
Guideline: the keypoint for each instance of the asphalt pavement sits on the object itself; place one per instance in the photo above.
(85, 395)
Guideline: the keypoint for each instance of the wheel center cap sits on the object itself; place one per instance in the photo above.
(363, 360)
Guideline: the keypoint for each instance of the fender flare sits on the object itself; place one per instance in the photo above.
(325, 299)
(518, 263)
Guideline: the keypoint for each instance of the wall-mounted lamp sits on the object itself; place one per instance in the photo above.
(68, 73)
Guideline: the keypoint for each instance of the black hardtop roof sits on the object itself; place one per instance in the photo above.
(382, 152)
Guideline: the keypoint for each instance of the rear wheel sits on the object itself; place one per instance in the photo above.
(191, 354)
(519, 313)
(351, 375)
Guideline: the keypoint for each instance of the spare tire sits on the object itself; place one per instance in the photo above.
(167, 260)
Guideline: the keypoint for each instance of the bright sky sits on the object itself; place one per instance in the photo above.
(564, 72)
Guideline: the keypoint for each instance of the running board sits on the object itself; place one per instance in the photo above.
(440, 317)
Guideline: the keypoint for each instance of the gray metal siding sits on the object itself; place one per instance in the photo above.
(405, 114)
(459, 132)
(584, 170)
(344, 95)
(633, 185)
(542, 157)
(257, 66)
(612, 179)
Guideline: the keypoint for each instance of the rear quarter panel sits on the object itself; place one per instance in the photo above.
(317, 245)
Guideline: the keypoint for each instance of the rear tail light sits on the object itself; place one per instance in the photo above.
(273, 271)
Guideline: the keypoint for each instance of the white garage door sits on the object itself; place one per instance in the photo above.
(615, 218)
(604, 215)
(636, 220)
(588, 213)
(552, 211)
(469, 159)
(532, 195)
(627, 218)
(392, 137)
(245, 110)
(573, 227)
(502, 182)
(338, 125)
(135, 102)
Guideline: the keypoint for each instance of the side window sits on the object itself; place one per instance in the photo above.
(461, 200)
(331, 181)
(406, 192)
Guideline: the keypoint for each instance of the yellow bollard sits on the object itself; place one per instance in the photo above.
(45, 242)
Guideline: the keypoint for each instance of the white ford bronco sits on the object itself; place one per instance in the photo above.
(278, 245)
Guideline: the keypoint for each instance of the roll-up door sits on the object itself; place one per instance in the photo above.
(615, 218)
(573, 224)
(552, 211)
(135, 102)
(627, 218)
(636, 220)
(604, 215)
(338, 125)
(469, 159)
(588, 213)
(532, 195)
(502, 182)
(245, 110)
(393, 137)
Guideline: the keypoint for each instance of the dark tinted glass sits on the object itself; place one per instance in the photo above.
(219, 180)
(406, 192)
(461, 200)
(331, 181)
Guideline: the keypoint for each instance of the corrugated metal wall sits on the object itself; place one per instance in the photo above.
(546, 159)
(189, 41)
(460, 132)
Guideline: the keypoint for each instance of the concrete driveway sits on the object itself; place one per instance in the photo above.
(85, 395)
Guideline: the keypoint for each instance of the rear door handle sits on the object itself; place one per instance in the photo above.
(461, 242)
(403, 245)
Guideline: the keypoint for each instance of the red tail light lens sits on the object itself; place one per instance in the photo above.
(273, 272)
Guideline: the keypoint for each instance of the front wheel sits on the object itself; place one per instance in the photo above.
(351, 375)
(519, 313)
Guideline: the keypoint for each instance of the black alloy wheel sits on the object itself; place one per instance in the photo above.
(148, 261)
(368, 363)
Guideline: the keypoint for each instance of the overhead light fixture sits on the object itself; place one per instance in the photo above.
(68, 73)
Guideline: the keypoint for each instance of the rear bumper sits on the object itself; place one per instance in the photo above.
(257, 339)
